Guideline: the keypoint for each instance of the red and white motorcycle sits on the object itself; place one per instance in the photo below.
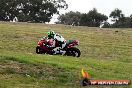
(69, 49)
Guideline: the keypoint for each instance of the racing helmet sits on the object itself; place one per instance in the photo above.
(51, 34)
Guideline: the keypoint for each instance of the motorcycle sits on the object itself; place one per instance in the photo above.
(68, 49)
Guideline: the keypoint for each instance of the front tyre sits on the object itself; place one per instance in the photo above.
(38, 50)
(73, 51)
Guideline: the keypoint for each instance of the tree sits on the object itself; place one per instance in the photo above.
(93, 18)
(30, 10)
(119, 19)
(70, 18)
(116, 15)
(106, 25)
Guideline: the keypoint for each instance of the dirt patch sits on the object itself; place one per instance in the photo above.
(43, 71)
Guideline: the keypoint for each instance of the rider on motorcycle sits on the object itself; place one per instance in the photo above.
(59, 39)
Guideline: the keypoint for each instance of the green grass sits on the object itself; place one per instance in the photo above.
(106, 54)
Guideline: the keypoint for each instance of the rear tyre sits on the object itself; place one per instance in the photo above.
(38, 50)
(73, 51)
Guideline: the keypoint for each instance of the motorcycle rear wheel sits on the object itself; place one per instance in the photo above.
(73, 51)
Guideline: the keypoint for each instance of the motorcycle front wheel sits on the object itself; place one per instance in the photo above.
(38, 50)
